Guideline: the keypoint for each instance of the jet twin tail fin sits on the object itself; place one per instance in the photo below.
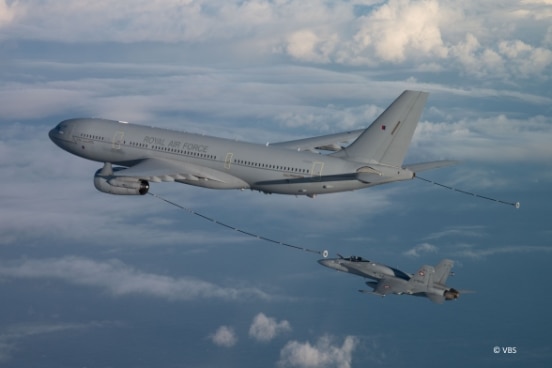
(427, 276)
(442, 271)
(387, 139)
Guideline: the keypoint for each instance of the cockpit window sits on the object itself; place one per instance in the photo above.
(356, 259)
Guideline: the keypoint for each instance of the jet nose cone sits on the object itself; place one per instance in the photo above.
(61, 132)
(334, 264)
(56, 135)
(326, 262)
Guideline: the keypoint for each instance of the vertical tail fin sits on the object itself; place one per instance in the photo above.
(442, 271)
(387, 139)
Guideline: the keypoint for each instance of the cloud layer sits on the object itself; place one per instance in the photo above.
(119, 279)
(485, 40)
(13, 335)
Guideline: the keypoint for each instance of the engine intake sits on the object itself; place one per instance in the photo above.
(120, 185)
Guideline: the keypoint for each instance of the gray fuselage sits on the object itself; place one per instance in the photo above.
(266, 168)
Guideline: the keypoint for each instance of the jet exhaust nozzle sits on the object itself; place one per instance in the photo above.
(451, 294)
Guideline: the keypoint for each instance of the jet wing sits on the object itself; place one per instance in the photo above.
(330, 142)
(389, 285)
(158, 170)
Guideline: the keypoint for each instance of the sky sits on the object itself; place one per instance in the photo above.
(95, 280)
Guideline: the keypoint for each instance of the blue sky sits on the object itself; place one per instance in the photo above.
(89, 279)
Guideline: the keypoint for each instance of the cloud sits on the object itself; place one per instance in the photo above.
(265, 328)
(421, 248)
(119, 279)
(499, 138)
(12, 335)
(224, 336)
(527, 60)
(470, 252)
(401, 27)
(464, 231)
(7, 12)
(307, 45)
(323, 354)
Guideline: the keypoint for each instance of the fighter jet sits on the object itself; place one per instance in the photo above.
(145, 154)
(428, 281)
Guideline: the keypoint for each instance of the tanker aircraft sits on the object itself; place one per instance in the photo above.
(428, 282)
(146, 154)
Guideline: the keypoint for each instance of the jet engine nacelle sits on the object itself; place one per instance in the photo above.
(451, 294)
(120, 185)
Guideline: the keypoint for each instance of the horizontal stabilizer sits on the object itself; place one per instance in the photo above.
(424, 166)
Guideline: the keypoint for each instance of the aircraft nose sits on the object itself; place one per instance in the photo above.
(60, 133)
(334, 264)
(56, 134)
(51, 134)
(327, 263)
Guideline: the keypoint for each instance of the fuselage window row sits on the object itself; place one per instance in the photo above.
(91, 136)
(185, 153)
(270, 166)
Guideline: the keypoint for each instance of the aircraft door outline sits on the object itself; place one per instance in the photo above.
(228, 160)
(316, 170)
(117, 140)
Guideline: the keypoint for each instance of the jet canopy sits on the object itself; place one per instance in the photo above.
(356, 259)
